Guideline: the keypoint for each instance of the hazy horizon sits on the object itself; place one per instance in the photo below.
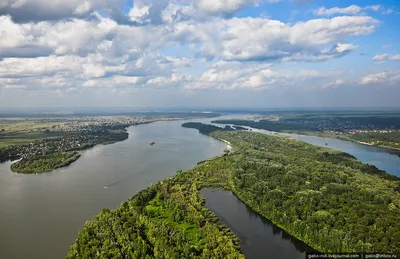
(109, 111)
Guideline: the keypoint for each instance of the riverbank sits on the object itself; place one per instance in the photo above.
(259, 237)
(300, 187)
(229, 145)
(168, 218)
(282, 198)
(375, 145)
(346, 137)
(49, 154)
(126, 167)
(386, 139)
(79, 134)
(41, 155)
(44, 164)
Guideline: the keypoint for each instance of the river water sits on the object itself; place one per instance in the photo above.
(384, 159)
(40, 215)
(259, 238)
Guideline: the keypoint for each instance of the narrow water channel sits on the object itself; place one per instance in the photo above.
(384, 159)
(259, 238)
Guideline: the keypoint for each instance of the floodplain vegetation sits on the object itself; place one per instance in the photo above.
(380, 139)
(46, 163)
(47, 154)
(326, 198)
(379, 134)
(42, 143)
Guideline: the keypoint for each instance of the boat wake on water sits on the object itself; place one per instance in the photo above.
(123, 180)
(119, 181)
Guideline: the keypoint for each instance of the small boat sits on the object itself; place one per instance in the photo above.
(152, 143)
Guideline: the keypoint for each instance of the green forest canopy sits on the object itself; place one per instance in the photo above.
(326, 198)
(46, 163)
(380, 138)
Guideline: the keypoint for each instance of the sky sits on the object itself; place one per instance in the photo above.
(199, 53)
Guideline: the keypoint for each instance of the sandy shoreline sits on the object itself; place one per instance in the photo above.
(373, 145)
(229, 146)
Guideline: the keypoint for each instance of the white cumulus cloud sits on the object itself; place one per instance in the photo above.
(42, 10)
(92, 47)
(350, 10)
(271, 40)
(385, 57)
(391, 77)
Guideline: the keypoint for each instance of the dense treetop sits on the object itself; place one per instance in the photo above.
(323, 197)
(46, 163)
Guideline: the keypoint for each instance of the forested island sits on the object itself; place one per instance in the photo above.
(50, 153)
(325, 198)
(205, 128)
(47, 163)
(44, 144)
(380, 136)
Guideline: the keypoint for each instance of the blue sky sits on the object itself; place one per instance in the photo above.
(219, 53)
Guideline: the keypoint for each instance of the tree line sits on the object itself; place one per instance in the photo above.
(46, 163)
(323, 197)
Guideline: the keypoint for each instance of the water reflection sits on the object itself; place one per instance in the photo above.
(384, 159)
(276, 231)
(259, 238)
(34, 208)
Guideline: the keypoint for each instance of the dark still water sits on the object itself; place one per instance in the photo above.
(259, 238)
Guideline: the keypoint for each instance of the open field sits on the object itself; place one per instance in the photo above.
(22, 131)
(21, 125)
(23, 138)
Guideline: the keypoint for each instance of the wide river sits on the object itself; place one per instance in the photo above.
(40, 215)
(384, 159)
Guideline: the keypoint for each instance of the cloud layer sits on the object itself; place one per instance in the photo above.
(385, 56)
(350, 10)
(21, 10)
(391, 77)
(81, 47)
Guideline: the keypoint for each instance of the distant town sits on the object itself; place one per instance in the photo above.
(33, 139)
(93, 123)
(337, 124)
